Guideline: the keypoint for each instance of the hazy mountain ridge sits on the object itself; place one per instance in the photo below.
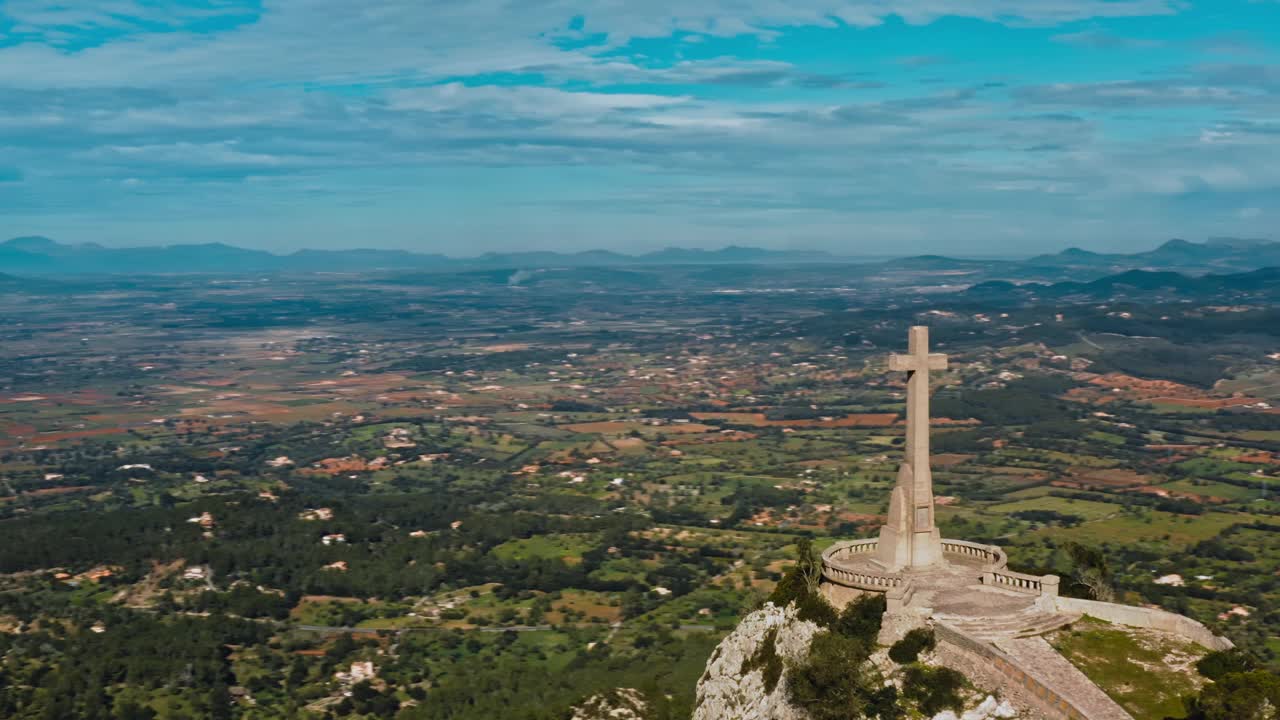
(1214, 254)
(34, 255)
(39, 255)
(1257, 284)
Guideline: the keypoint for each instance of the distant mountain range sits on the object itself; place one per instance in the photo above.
(42, 256)
(1233, 254)
(1263, 284)
(39, 255)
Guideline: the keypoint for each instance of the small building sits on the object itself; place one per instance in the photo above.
(204, 520)
(360, 671)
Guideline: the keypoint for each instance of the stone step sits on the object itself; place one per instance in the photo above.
(1028, 625)
(1050, 625)
(1012, 621)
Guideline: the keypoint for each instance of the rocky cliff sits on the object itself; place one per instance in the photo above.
(735, 686)
(746, 677)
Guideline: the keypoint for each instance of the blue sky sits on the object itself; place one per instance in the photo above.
(463, 126)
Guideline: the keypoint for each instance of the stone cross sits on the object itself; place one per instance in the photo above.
(910, 538)
(916, 364)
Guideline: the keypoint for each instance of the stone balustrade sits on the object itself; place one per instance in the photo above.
(845, 563)
(851, 547)
(861, 580)
(993, 557)
(1045, 585)
(837, 568)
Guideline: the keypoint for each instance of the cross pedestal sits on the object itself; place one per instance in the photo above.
(910, 539)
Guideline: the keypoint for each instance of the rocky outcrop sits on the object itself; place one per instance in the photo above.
(988, 709)
(620, 704)
(746, 677)
(741, 682)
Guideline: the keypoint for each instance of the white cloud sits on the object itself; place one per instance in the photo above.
(523, 100)
(176, 121)
(339, 41)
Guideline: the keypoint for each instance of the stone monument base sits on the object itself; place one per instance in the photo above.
(988, 620)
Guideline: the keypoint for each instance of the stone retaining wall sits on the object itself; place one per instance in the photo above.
(1141, 617)
(990, 666)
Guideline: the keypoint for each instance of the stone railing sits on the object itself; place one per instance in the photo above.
(993, 557)
(1045, 585)
(856, 576)
(851, 547)
(861, 580)
(1141, 617)
(994, 663)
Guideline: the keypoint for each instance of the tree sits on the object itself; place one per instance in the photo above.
(130, 710)
(908, 649)
(800, 585)
(1252, 695)
(1090, 569)
(1219, 664)
(934, 689)
(835, 681)
(808, 564)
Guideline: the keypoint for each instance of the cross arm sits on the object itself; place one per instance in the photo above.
(911, 363)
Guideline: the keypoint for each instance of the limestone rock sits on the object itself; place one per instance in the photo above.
(988, 709)
(620, 704)
(726, 692)
(734, 687)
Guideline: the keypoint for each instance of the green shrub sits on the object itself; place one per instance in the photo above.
(933, 689)
(861, 619)
(815, 608)
(766, 659)
(835, 682)
(800, 586)
(1253, 695)
(908, 649)
(1217, 665)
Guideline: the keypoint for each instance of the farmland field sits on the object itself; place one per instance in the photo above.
(464, 483)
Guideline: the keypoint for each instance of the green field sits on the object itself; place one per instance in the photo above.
(1152, 526)
(545, 547)
(1087, 509)
(1216, 489)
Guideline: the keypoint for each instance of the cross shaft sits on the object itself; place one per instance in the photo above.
(910, 537)
(917, 363)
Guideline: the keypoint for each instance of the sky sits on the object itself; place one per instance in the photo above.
(463, 126)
